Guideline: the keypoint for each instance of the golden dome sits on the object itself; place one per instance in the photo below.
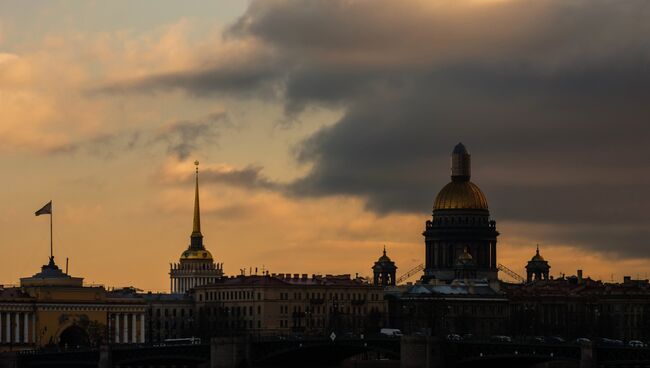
(200, 254)
(461, 195)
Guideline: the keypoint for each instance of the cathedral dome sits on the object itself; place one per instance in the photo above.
(460, 195)
(199, 254)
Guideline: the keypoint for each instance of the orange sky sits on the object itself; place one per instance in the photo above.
(117, 165)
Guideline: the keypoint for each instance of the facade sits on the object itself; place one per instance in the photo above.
(170, 316)
(461, 220)
(575, 307)
(196, 266)
(286, 304)
(438, 308)
(53, 308)
(384, 271)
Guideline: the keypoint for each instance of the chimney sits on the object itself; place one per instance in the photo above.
(627, 279)
(579, 276)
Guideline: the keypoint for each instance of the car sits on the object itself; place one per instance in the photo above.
(611, 342)
(454, 337)
(582, 341)
(636, 344)
(554, 340)
(391, 332)
(534, 339)
(501, 338)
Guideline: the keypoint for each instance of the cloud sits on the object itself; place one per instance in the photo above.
(549, 96)
(180, 138)
(183, 137)
(247, 178)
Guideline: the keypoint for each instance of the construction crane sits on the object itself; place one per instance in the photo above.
(515, 276)
(410, 273)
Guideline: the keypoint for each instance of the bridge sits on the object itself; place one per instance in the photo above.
(222, 352)
(407, 352)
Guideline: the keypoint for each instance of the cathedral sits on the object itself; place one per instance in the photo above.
(460, 239)
(196, 266)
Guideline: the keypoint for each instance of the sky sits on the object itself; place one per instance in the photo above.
(323, 130)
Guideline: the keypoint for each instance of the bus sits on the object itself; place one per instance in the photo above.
(183, 341)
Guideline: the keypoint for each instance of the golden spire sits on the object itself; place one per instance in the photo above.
(196, 237)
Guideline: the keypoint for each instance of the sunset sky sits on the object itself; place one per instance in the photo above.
(323, 129)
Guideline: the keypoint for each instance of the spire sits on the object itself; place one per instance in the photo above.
(537, 249)
(196, 237)
(460, 163)
(384, 249)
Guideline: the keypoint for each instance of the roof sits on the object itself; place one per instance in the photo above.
(460, 195)
(284, 280)
(471, 288)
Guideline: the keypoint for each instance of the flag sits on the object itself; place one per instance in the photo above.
(46, 210)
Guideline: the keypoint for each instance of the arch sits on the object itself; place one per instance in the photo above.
(74, 336)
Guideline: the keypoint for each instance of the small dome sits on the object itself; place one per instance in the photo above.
(460, 149)
(460, 195)
(201, 254)
(537, 257)
(384, 258)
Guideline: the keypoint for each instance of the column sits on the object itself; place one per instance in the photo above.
(142, 328)
(8, 327)
(133, 329)
(17, 328)
(2, 324)
(26, 327)
(125, 330)
(117, 329)
(34, 328)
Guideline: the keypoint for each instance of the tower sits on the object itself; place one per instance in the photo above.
(384, 271)
(537, 268)
(196, 266)
(460, 225)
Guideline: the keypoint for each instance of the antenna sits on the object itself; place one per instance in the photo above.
(66, 265)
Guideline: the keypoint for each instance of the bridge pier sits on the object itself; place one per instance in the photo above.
(420, 352)
(105, 357)
(229, 352)
(8, 360)
(588, 356)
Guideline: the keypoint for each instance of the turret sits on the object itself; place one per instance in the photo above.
(461, 167)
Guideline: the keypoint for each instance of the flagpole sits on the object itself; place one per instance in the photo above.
(51, 247)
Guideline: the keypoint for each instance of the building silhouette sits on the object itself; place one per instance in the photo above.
(384, 271)
(196, 266)
(461, 224)
(537, 268)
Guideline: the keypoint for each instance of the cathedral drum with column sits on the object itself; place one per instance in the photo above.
(460, 225)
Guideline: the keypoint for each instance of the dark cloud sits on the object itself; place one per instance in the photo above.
(550, 97)
(180, 138)
(249, 177)
(183, 137)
